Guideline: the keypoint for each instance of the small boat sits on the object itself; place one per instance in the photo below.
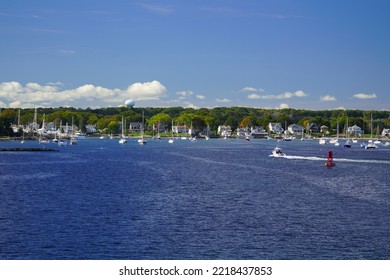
(62, 142)
(277, 152)
(347, 144)
(370, 145)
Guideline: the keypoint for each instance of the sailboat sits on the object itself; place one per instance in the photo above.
(73, 140)
(207, 137)
(158, 132)
(20, 127)
(336, 143)
(348, 142)
(61, 142)
(123, 139)
(170, 141)
(42, 139)
(377, 141)
(370, 144)
(142, 141)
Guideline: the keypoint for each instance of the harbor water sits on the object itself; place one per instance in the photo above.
(216, 199)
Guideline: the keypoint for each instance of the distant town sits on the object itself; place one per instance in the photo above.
(224, 122)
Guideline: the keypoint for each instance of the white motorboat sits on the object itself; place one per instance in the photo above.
(277, 152)
(322, 141)
(370, 145)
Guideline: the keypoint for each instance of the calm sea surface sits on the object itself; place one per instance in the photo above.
(216, 199)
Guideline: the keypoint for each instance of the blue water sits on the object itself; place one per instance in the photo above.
(217, 199)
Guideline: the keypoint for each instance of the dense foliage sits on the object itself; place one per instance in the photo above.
(109, 118)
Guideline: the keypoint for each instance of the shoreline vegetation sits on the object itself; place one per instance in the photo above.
(159, 121)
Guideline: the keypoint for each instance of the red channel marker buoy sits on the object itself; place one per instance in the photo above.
(329, 162)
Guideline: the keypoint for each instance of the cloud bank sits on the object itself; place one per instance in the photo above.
(15, 95)
(328, 98)
(365, 95)
(285, 95)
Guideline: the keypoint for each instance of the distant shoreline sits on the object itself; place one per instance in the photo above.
(27, 150)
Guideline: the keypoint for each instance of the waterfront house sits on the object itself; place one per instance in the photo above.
(161, 127)
(243, 132)
(324, 129)
(312, 128)
(224, 130)
(90, 128)
(295, 129)
(180, 129)
(275, 128)
(135, 126)
(355, 130)
(258, 132)
(386, 132)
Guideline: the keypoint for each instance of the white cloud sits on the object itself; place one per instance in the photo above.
(254, 96)
(365, 95)
(283, 106)
(201, 97)
(51, 95)
(185, 93)
(251, 89)
(224, 100)
(300, 93)
(190, 105)
(285, 95)
(67, 52)
(328, 98)
(157, 9)
(146, 91)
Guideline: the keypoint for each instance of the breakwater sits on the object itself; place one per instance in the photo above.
(27, 150)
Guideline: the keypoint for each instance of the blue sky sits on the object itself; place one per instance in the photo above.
(304, 54)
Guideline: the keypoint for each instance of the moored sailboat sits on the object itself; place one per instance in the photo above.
(142, 140)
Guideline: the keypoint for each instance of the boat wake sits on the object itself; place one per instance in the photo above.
(339, 159)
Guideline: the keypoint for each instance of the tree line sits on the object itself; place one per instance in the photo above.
(109, 118)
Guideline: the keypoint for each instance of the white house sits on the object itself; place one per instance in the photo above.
(90, 128)
(180, 129)
(275, 128)
(224, 130)
(295, 129)
(355, 130)
(258, 132)
(386, 132)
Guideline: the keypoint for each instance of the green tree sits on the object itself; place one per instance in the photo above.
(159, 118)
(246, 121)
(103, 122)
(93, 119)
(113, 127)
